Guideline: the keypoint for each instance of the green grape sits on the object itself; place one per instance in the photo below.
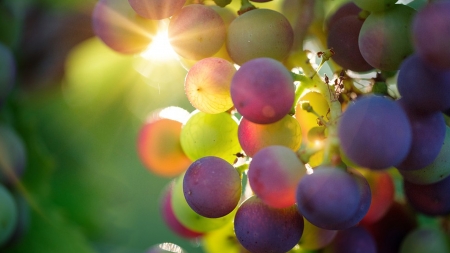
(315, 238)
(188, 217)
(8, 215)
(222, 240)
(210, 135)
(424, 239)
(375, 5)
(222, 3)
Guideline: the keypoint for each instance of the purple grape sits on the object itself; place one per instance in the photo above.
(431, 33)
(375, 133)
(347, 9)
(343, 38)
(212, 187)
(352, 240)
(263, 90)
(422, 86)
(432, 199)
(428, 132)
(333, 199)
(261, 229)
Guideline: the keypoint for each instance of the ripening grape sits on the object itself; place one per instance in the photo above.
(188, 217)
(7, 72)
(212, 187)
(253, 137)
(343, 38)
(207, 85)
(263, 91)
(159, 146)
(375, 5)
(156, 9)
(210, 135)
(259, 33)
(352, 240)
(309, 120)
(425, 239)
(8, 215)
(13, 156)
(166, 247)
(345, 10)
(222, 240)
(385, 37)
(315, 238)
(428, 132)
(261, 228)
(431, 33)
(438, 170)
(120, 28)
(196, 32)
(274, 173)
(331, 198)
(423, 87)
(375, 114)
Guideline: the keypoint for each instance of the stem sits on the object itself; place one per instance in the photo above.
(245, 6)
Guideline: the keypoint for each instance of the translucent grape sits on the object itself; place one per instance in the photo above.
(315, 238)
(260, 228)
(156, 9)
(8, 215)
(369, 115)
(120, 28)
(259, 33)
(222, 240)
(274, 173)
(274, 87)
(166, 247)
(306, 119)
(207, 85)
(210, 135)
(196, 32)
(253, 137)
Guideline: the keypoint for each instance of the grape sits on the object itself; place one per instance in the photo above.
(156, 9)
(169, 217)
(159, 146)
(306, 119)
(253, 137)
(259, 33)
(210, 135)
(343, 38)
(212, 187)
(333, 199)
(374, 114)
(8, 215)
(423, 87)
(274, 173)
(315, 238)
(385, 37)
(166, 247)
(12, 156)
(7, 72)
(425, 239)
(352, 240)
(222, 240)
(436, 171)
(345, 10)
(430, 199)
(222, 3)
(120, 28)
(428, 132)
(188, 217)
(431, 33)
(207, 85)
(261, 228)
(275, 88)
(196, 32)
(23, 219)
(375, 5)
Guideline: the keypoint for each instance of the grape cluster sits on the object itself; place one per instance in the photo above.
(281, 157)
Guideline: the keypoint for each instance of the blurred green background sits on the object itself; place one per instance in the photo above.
(78, 107)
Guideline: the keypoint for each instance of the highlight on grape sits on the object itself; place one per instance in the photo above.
(319, 126)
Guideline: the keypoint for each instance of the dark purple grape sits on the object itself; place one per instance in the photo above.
(7, 72)
(428, 132)
(261, 229)
(422, 86)
(212, 187)
(347, 9)
(332, 198)
(431, 33)
(343, 38)
(375, 133)
(262, 91)
(352, 240)
(431, 199)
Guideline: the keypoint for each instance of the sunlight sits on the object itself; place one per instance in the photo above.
(160, 48)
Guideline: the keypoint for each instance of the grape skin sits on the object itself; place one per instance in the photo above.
(260, 228)
(315, 238)
(375, 5)
(345, 10)
(156, 9)
(275, 88)
(374, 114)
(212, 187)
(425, 239)
(352, 240)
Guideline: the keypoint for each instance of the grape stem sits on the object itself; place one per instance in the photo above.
(245, 6)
